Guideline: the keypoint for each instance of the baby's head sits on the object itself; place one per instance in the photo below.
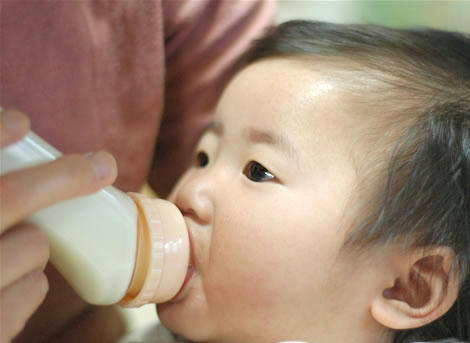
(329, 200)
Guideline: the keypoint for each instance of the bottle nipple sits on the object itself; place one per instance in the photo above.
(162, 256)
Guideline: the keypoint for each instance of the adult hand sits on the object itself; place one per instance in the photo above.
(24, 249)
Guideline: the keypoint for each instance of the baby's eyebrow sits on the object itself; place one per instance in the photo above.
(259, 136)
(215, 127)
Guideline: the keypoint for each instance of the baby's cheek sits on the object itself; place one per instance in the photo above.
(246, 266)
(245, 282)
(242, 302)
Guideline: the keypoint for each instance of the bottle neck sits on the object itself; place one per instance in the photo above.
(162, 256)
(142, 261)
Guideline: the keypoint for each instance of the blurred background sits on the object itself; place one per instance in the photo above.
(453, 15)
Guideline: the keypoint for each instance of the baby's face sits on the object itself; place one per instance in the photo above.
(266, 207)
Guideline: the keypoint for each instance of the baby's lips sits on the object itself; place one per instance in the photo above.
(192, 252)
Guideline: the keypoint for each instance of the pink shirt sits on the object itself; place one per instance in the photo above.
(125, 76)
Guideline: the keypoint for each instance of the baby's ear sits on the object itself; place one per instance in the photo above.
(424, 288)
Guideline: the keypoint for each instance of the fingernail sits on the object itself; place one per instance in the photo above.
(103, 164)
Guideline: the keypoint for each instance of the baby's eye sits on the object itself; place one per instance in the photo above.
(202, 159)
(257, 173)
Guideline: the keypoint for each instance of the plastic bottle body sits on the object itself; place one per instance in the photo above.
(93, 238)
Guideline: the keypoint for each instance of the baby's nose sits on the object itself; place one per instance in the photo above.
(195, 199)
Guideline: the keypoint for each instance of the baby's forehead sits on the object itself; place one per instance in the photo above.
(360, 112)
(311, 81)
(296, 84)
(293, 86)
(307, 101)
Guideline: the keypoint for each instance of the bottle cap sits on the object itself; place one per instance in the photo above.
(164, 249)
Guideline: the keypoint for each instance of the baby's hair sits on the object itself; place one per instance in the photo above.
(423, 87)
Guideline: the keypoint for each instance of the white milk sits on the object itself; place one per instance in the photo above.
(93, 238)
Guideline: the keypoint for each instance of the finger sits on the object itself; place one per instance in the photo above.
(22, 250)
(61, 307)
(19, 301)
(28, 190)
(13, 126)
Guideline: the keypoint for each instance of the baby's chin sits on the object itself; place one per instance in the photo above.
(188, 316)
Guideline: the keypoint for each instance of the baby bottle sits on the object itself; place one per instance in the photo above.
(111, 247)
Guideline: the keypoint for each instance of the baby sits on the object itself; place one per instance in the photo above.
(329, 200)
